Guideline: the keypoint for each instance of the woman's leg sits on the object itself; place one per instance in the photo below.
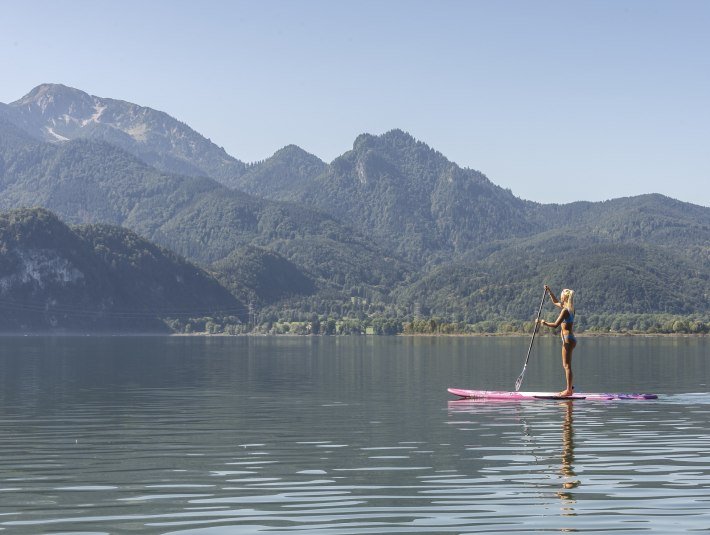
(567, 349)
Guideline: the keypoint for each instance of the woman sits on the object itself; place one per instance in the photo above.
(569, 342)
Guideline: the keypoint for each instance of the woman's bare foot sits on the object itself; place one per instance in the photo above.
(565, 393)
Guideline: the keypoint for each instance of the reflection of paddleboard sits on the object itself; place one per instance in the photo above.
(493, 394)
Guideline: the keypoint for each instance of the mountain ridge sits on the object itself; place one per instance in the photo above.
(412, 197)
(86, 181)
(379, 223)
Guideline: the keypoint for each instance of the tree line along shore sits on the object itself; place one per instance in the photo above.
(594, 324)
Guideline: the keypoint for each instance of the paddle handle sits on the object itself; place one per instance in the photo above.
(519, 380)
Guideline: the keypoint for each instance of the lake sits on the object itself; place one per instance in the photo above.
(349, 435)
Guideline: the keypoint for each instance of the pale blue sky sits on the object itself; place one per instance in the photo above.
(557, 100)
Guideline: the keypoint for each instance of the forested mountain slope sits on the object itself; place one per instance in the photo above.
(411, 198)
(96, 277)
(609, 278)
(288, 171)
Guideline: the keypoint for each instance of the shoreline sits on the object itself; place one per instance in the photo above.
(446, 335)
(399, 335)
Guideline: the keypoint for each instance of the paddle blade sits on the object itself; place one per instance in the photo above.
(519, 381)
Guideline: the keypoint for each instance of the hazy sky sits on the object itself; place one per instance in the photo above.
(557, 100)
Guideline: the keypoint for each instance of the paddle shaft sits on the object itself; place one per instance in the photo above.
(519, 381)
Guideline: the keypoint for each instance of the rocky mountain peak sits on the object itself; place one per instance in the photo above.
(51, 98)
(57, 113)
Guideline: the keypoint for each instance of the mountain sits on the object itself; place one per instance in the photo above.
(289, 170)
(57, 113)
(645, 255)
(411, 198)
(650, 218)
(86, 181)
(388, 225)
(609, 278)
(262, 277)
(12, 136)
(96, 277)
(407, 196)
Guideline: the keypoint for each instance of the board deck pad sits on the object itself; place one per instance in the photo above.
(502, 395)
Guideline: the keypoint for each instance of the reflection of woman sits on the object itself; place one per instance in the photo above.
(569, 342)
(567, 468)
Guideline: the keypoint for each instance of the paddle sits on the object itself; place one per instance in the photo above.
(519, 381)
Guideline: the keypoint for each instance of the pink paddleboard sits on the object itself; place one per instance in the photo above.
(512, 396)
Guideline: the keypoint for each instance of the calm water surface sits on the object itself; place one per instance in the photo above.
(349, 435)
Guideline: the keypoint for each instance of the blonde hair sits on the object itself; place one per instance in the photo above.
(569, 302)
